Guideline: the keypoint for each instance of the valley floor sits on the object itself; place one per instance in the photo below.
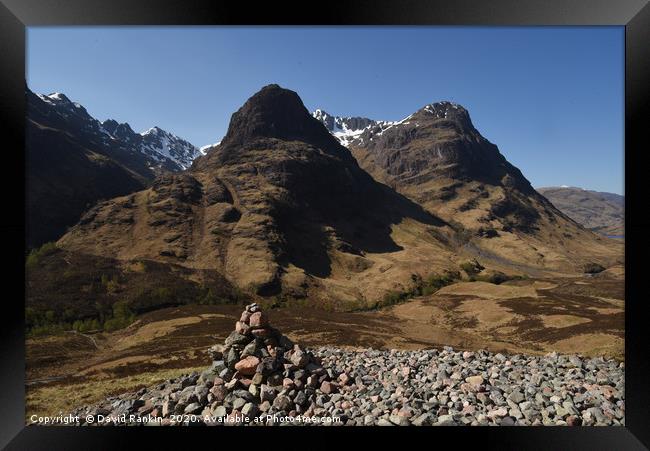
(583, 315)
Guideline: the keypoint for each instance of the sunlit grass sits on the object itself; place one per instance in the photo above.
(59, 399)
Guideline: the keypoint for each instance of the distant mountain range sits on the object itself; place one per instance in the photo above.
(159, 148)
(599, 211)
(280, 208)
(74, 160)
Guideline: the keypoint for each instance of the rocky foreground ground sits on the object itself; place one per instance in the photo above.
(259, 377)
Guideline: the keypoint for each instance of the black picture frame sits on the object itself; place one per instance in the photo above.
(634, 15)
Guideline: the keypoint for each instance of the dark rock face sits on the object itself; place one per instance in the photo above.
(274, 137)
(440, 141)
(357, 123)
(64, 177)
(336, 123)
(279, 113)
(272, 141)
(120, 131)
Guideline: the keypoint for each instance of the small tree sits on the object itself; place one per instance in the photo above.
(122, 317)
(77, 325)
(49, 317)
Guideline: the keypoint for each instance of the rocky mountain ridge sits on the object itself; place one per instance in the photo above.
(74, 160)
(281, 208)
(438, 159)
(345, 129)
(160, 149)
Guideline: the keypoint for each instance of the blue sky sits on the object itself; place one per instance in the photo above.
(551, 98)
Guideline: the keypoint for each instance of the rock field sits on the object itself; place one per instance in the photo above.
(259, 377)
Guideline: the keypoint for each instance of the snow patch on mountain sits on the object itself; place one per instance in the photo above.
(349, 130)
(161, 144)
(354, 130)
(204, 149)
(345, 129)
(163, 149)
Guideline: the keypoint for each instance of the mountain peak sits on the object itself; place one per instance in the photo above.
(446, 110)
(59, 97)
(110, 122)
(126, 128)
(275, 112)
(153, 131)
(151, 150)
(446, 104)
(62, 103)
(321, 114)
(274, 87)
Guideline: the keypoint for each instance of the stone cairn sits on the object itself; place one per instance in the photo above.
(256, 373)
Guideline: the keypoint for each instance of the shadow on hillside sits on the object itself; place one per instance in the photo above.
(364, 227)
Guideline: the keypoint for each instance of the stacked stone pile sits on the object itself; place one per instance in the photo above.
(260, 371)
(257, 372)
(258, 376)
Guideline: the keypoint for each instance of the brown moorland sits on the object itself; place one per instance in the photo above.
(572, 315)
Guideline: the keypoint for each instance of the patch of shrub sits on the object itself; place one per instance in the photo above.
(110, 284)
(69, 287)
(419, 287)
(393, 297)
(114, 324)
(146, 298)
(270, 302)
(48, 329)
(209, 297)
(496, 278)
(37, 254)
(469, 205)
(238, 296)
(122, 317)
(87, 325)
(40, 323)
(434, 282)
(472, 267)
(461, 234)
